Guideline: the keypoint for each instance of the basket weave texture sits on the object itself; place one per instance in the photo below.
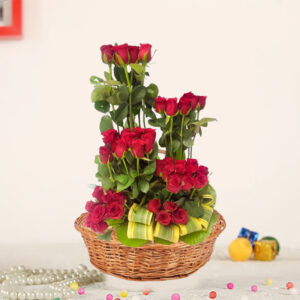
(150, 261)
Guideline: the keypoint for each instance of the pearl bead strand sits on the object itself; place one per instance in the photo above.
(51, 283)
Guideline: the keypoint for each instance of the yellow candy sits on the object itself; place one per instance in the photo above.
(124, 293)
(269, 282)
(74, 286)
(240, 249)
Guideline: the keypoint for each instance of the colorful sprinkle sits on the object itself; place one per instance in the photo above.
(289, 285)
(146, 292)
(254, 288)
(212, 295)
(109, 297)
(81, 291)
(269, 282)
(230, 285)
(123, 293)
(175, 297)
(74, 286)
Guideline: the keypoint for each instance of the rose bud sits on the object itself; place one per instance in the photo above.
(191, 165)
(203, 170)
(192, 98)
(115, 210)
(171, 107)
(110, 138)
(179, 216)
(160, 104)
(170, 206)
(184, 105)
(160, 163)
(105, 155)
(163, 218)
(174, 183)
(119, 198)
(200, 181)
(128, 136)
(90, 205)
(133, 54)
(138, 148)
(121, 148)
(180, 166)
(154, 205)
(138, 132)
(108, 197)
(201, 101)
(99, 227)
(98, 193)
(107, 53)
(98, 214)
(149, 138)
(168, 167)
(145, 50)
(121, 51)
(187, 182)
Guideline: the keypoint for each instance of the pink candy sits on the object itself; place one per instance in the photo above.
(81, 291)
(109, 297)
(254, 288)
(230, 285)
(175, 297)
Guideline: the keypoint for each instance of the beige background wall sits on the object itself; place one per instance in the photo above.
(243, 54)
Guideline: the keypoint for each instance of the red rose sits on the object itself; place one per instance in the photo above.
(138, 148)
(200, 181)
(99, 227)
(187, 182)
(110, 138)
(170, 206)
(184, 105)
(128, 136)
(148, 137)
(121, 148)
(119, 198)
(160, 163)
(98, 193)
(138, 132)
(180, 166)
(160, 104)
(163, 218)
(203, 170)
(168, 167)
(90, 205)
(154, 205)
(107, 53)
(174, 183)
(192, 99)
(191, 165)
(122, 52)
(171, 106)
(115, 210)
(201, 100)
(107, 197)
(98, 214)
(133, 53)
(145, 49)
(179, 216)
(88, 220)
(105, 155)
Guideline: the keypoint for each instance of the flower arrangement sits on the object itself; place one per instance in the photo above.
(152, 190)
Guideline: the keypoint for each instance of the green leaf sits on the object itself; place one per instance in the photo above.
(106, 123)
(208, 189)
(154, 152)
(96, 80)
(137, 68)
(194, 209)
(121, 113)
(123, 93)
(152, 91)
(119, 74)
(176, 145)
(144, 186)
(150, 169)
(113, 82)
(102, 106)
(103, 170)
(161, 241)
(122, 178)
(149, 113)
(105, 236)
(114, 222)
(107, 184)
(114, 99)
(138, 93)
(123, 186)
(121, 232)
(199, 236)
(180, 201)
(135, 190)
(107, 75)
(129, 157)
(204, 122)
(133, 173)
(99, 93)
(188, 142)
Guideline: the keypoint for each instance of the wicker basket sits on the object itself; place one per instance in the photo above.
(150, 261)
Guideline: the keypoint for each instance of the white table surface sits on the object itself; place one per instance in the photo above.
(213, 276)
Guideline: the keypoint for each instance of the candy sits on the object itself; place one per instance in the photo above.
(117, 299)
(269, 282)
(240, 249)
(109, 297)
(254, 288)
(212, 295)
(175, 297)
(270, 238)
(230, 285)
(264, 250)
(289, 285)
(81, 291)
(123, 293)
(146, 292)
(74, 286)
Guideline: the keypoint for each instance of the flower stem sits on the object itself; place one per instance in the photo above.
(192, 194)
(171, 137)
(181, 136)
(143, 102)
(113, 107)
(143, 201)
(138, 166)
(124, 163)
(110, 172)
(130, 101)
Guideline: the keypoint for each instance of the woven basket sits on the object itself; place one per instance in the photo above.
(149, 261)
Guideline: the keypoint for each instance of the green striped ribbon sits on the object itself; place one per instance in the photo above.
(209, 200)
(140, 231)
(169, 233)
(140, 215)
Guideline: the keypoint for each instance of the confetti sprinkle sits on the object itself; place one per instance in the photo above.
(289, 285)
(254, 288)
(212, 295)
(175, 297)
(269, 282)
(230, 285)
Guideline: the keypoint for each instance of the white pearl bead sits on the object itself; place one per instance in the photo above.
(38, 280)
(30, 281)
(30, 295)
(41, 270)
(67, 294)
(13, 269)
(40, 295)
(13, 295)
(22, 295)
(21, 268)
